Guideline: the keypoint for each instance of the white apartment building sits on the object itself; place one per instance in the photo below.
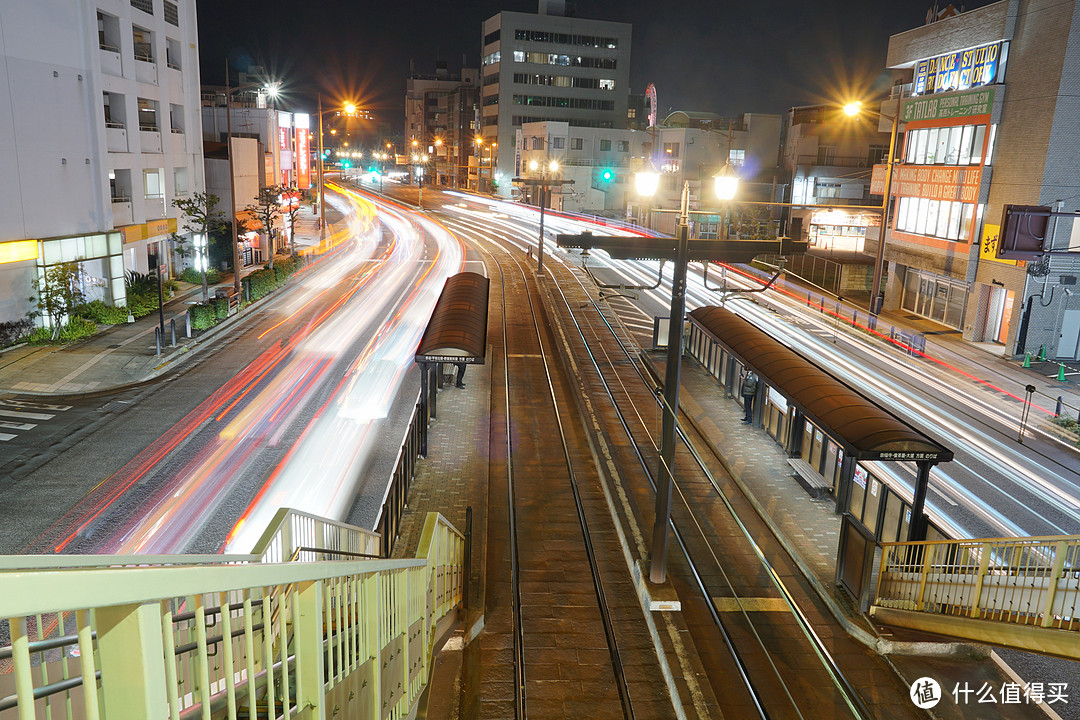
(549, 67)
(99, 132)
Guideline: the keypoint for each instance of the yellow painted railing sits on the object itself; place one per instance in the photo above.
(1024, 583)
(177, 637)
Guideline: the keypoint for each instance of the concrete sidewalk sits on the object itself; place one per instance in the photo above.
(122, 355)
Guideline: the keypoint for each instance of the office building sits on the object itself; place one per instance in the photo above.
(442, 116)
(550, 67)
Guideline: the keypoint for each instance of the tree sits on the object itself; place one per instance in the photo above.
(60, 293)
(292, 211)
(201, 218)
(266, 207)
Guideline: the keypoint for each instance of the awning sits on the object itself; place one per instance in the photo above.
(457, 330)
(865, 430)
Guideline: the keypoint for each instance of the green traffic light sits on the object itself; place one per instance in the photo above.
(607, 175)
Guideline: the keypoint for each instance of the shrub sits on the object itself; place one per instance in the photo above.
(104, 314)
(221, 308)
(261, 282)
(203, 317)
(193, 276)
(77, 329)
(13, 331)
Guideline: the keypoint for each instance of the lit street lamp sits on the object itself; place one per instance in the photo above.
(350, 110)
(877, 295)
(726, 182)
(553, 167)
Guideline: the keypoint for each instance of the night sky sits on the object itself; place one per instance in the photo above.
(718, 56)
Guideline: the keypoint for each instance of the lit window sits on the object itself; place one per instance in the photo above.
(607, 84)
(737, 157)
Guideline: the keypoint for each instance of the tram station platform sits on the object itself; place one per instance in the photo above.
(454, 477)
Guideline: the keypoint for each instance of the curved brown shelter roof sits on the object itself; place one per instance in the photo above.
(865, 430)
(457, 330)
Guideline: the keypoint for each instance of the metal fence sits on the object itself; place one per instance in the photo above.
(388, 524)
(1019, 581)
(173, 639)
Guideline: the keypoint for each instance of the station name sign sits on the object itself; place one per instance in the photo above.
(965, 104)
(960, 70)
(936, 456)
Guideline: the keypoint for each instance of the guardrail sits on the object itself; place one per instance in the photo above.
(994, 590)
(298, 536)
(388, 524)
(172, 638)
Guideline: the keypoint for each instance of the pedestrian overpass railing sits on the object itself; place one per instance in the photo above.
(1017, 592)
(227, 636)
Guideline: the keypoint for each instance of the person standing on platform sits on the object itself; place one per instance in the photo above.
(460, 374)
(748, 390)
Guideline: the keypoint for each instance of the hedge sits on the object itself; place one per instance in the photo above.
(104, 314)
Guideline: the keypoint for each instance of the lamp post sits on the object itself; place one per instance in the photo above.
(726, 185)
(272, 91)
(877, 295)
(419, 159)
(553, 167)
(350, 110)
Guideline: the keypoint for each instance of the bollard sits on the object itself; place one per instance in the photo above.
(871, 322)
(247, 293)
(808, 299)
(1057, 408)
(172, 330)
(157, 340)
(854, 318)
(187, 322)
(1027, 360)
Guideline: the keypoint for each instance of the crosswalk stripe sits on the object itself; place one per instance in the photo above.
(26, 415)
(17, 426)
(4, 437)
(33, 405)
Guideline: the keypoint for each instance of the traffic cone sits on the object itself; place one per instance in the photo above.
(1027, 360)
(1042, 353)
(1061, 372)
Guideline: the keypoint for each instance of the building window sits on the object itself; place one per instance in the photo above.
(172, 14)
(176, 118)
(491, 37)
(519, 56)
(120, 185)
(942, 219)
(114, 110)
(108, 32)
(558, 143)
(737, 157)
(147, 6)
(876, 154)
(538, 143)
(172, 53)
(826, 154)
(148, 115)
(492, 58)
(826, 189)
(607, 84)
(957, 145)
(624, 146)
(671, 150)
(605, 145)
(576, 143)
(144, 43)
(180, 181)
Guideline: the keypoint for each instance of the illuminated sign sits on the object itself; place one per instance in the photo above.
(988, 249)
(18, 251)
(958, 184)
(960, 70)
(303, 160)
(976, 102)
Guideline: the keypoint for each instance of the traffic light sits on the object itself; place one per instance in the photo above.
(346, 164)
(607, 174)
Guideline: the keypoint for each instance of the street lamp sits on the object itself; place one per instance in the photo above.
(272, 91)
(726, 185)
(350, 110)
(877, 295)
(646, 181)
(552, 167)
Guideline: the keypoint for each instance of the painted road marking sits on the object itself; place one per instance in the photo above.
(17, 426)
(26, 415)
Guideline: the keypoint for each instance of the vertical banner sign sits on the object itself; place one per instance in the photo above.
(303, 153)
(285, 145)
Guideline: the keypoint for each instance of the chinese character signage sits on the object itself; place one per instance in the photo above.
(959, 70)
(977, 102)
(303, 160)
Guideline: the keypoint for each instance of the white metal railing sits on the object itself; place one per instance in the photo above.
(298, 536)
(1022, 581)
(175, 637)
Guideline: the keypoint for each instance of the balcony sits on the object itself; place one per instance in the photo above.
(110, 60)
(121, 211)
(116, 139)
(179, 142)
(154, 205)
(149, 138)
(847, 161)
(145, 68)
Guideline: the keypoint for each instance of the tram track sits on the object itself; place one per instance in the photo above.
(774, 683)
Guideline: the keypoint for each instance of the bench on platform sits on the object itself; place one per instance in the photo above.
(811, 479)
